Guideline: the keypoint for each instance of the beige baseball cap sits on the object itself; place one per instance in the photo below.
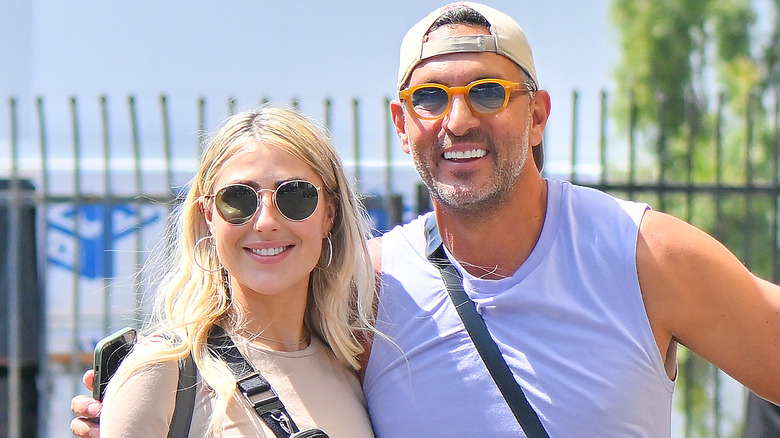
(506, 38)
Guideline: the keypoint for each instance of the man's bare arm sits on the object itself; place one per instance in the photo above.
(699, 294)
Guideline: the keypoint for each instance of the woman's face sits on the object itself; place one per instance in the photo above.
(269, 256)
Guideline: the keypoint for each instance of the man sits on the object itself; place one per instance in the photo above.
(585, 295)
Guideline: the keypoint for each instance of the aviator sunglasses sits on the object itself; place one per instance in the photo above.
(485, 96)
(296, 200)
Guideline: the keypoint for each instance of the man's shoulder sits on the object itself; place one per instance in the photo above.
(375, 250)
(408, 230)
(411, 231)
(600, 202)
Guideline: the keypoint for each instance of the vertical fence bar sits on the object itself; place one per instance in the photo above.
(574, 103)
(167, 154)
(716, 408)
(43, 250)
(14, 284)
(175, 194)
(632, 126)
(603, 138)
(136, 146)
(690, 121)
(77, 348)
(201, 139)
(775, 166)
(108, 215)
(749, 181)
(356, 143)
(661, 149)
(388, 150)
(719, 166)
(328, 114)
(661, 183)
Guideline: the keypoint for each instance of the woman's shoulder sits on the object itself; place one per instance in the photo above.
(141, 396)
(153, 348)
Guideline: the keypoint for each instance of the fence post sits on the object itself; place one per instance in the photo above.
(19, 349)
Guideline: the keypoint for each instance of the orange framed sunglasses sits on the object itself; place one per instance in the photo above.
(486, 96)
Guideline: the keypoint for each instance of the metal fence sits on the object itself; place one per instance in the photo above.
(85, 194)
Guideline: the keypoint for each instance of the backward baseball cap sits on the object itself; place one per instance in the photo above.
(506, 38)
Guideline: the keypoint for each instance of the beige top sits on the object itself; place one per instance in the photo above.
(315, 388)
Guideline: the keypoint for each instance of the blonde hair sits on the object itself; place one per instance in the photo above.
(191, 299)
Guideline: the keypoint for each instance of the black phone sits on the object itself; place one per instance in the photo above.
(109, 353)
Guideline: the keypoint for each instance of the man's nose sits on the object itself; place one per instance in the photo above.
(460, 118)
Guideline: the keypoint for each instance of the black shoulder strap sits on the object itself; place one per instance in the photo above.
(480, 336)
(185, 399)
(253, 385)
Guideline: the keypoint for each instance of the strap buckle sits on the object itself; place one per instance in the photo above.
(259, 393)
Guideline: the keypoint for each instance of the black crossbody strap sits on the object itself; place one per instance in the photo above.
(480, 336)
(185, 399)
(253, 385)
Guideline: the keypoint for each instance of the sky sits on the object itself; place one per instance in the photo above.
(278, 50)
(306, 48)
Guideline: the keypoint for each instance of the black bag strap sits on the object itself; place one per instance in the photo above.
(249, 381)
(185, 399)
(480, 336)
(253, 385)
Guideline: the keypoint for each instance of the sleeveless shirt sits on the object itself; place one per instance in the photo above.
(570, 323)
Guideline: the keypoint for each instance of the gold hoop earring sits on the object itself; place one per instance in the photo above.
(210, 252)
(330, 251)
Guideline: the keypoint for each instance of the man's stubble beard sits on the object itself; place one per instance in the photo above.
(462, 197)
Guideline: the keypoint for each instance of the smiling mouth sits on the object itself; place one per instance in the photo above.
(464, 155)
(269, 251)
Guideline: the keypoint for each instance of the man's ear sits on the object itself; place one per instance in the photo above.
(399, 120)
(540, 113)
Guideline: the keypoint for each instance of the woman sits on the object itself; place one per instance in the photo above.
(269, 245)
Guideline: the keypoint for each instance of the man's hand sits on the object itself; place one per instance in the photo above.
(86, 408)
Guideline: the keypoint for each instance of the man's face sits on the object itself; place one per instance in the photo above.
(470, 162)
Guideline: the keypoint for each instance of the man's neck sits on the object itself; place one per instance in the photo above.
(494, 246)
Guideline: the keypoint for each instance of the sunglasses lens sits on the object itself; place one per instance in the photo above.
(236, 204)
(297, 200)
(487, 97)
(430, 101)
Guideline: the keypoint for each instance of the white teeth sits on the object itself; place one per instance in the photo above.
(474, 153)
(267, 251)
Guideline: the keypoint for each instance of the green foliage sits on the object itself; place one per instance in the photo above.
(697, 81)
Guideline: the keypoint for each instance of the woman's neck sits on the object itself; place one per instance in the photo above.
(273, 321)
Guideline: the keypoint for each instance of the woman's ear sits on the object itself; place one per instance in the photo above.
(330, 218)
(208, 214)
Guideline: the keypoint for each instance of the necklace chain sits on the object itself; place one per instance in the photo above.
(303, 339)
